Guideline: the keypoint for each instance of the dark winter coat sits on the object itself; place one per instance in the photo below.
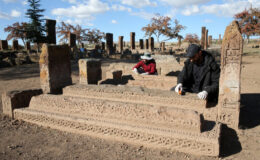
(209, 80)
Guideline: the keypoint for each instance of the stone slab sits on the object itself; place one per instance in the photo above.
(137, 95)
(17, 99)
(89, 71)
(55, 69)
(206, 143)
(142, 115)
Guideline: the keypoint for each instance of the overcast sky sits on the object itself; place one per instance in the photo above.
(121, 17)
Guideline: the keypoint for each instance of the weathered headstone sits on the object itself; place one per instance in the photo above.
(132, 40)
(89, 71)
(206, 40)
(28, 46)
(146, 44)
(55, 71)
(219, 39)
(3, 44)
(109, 43)
(117, 75)
(72, 40)
(210, 40)
(179, 41)
(151, 44)
(51, 31)
(120, 44)
(229, 85)
(163, 46)
(203, 34)
(15, 45)
(141, 43)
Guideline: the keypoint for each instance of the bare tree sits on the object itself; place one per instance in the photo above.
(16, 31)
(161, 25)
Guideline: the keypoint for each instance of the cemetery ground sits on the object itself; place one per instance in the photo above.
(21, 140)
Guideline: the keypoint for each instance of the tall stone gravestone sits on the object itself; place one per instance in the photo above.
(72, 40)
(51, 31)
(3, 44)
(163, 46)
(120, 44)
(206, 40)
(229, 84)
(146, 44)
(132, 40)
(179, 41)
(210, 40)
(89, 71)
(141, 43)
(109, 43)
(203, 34)
(15, 45)
(151, 44)
(55, 71)
(219, 39)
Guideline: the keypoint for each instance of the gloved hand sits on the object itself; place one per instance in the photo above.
(178, 87)
(203, 95)
(146, 73)
(135, 71)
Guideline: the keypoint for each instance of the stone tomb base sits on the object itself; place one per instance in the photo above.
(106, 112)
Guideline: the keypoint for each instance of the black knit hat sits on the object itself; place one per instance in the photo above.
(192, 50)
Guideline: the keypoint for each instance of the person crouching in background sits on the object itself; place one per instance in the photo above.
(147, 65)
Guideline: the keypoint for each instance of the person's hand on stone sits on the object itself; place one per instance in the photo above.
(135, 71)
(178, 87)
(203, 95)
(146, 73)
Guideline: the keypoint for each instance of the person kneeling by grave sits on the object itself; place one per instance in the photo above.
(200, 74)
(146, 66)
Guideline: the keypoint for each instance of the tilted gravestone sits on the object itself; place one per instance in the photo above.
(55, 70)
(229, 85)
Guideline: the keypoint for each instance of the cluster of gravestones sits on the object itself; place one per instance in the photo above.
(152, 118)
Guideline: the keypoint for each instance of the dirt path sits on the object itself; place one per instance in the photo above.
(21, 140)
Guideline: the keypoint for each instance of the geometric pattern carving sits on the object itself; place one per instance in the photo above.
(229, 85)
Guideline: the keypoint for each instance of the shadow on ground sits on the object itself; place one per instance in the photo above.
(249, 111)
(229, 142)
(20, 72)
